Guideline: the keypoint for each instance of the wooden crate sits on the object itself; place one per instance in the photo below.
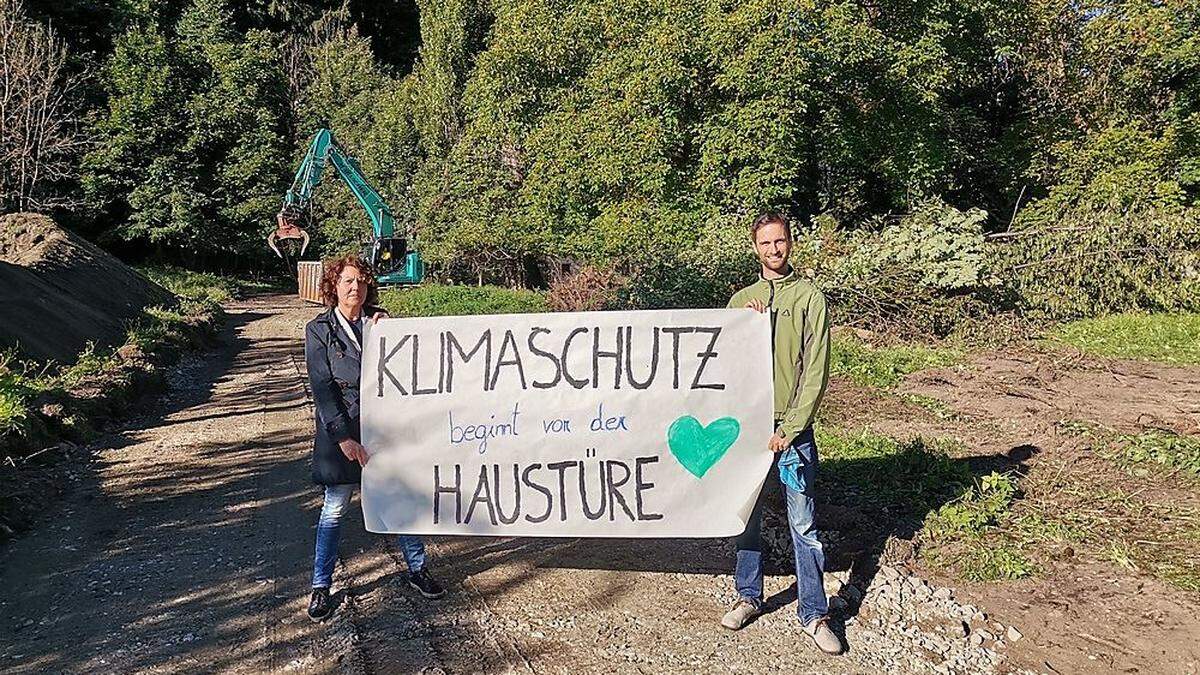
(308, 273)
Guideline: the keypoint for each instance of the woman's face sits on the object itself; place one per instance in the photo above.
(351, 287)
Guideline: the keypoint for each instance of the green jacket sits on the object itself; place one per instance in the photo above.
(800, 335)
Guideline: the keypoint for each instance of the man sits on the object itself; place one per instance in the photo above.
(800, 345)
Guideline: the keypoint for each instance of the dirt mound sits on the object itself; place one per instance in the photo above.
(58, 291)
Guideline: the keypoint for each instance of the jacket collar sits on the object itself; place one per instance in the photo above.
(786, 280)
(335, 328)
(328, 317)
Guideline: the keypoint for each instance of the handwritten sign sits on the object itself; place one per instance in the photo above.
(597, 424)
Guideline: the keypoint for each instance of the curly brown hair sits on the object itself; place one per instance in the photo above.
(333, 269)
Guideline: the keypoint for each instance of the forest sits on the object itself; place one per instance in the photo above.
(943, 161)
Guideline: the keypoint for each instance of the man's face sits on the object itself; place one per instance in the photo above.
(351, 287)
(773, 245)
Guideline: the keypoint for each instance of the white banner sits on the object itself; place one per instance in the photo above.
(596, 424)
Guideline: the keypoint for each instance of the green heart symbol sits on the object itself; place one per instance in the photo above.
(697, 447)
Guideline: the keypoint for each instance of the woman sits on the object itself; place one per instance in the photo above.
(332, 351)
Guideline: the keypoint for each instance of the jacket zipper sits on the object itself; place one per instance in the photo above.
(771, 308)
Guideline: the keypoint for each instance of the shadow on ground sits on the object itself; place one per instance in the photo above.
(186, 542)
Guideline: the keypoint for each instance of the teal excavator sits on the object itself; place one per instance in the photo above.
(395, 259)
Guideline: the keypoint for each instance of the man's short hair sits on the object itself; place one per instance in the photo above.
(770, 218)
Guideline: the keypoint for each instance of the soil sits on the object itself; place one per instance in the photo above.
(58, 292)
(186, 544)
(1009, 410)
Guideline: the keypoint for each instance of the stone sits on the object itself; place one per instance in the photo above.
(1014, 634)
(976, 639)
(985, 635)
(943, 593)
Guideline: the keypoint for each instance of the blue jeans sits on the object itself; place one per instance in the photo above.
(337, 498)
(810, 559)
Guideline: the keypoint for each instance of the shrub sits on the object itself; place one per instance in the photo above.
(978, 508)
(15, 394)
(1090, 261)
(591, 288)
(920, 275)
(703, 275)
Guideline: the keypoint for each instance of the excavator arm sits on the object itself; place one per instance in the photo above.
(387, 251)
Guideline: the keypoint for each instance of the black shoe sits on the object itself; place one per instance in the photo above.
(319, 607)
(425, 584)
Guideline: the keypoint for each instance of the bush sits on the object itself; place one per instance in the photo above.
(15, 394)
(590, 289)
(978, 508)
(703, 275)
(1086, 262)
(435, 300)
(921, 275)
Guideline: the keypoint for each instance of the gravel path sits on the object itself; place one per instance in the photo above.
(186, 546)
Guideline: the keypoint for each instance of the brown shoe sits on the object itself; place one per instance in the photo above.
(740, 615)
(823, 636)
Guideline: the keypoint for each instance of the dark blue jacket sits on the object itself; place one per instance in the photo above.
(333, 373)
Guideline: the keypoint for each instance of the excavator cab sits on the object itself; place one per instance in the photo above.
(394, 263)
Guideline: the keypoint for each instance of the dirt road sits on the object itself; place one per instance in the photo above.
(186, 546)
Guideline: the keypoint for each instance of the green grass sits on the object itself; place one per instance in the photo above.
(1138, 452)
(440, 300)
(1169, 338)
(963, 520)
(936, 407)
(909, 477)
(89, 363)
(884, 367)
(1164, 448)
(206, 286)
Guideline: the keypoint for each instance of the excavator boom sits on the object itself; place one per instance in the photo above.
(395, 261)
